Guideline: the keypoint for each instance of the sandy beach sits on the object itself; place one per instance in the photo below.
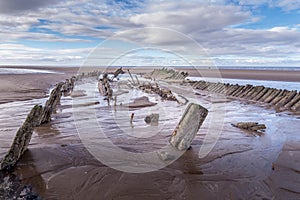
(16, 87)
(143, 100)
(240, 166)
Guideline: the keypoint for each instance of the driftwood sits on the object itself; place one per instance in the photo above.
(252, 126)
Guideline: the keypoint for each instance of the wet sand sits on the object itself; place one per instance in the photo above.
(270, 75)
(240, 166)
(19, 87)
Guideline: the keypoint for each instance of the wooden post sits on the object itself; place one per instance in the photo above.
(22, 139)
(131, 77)
(138, 82)
(187, 128)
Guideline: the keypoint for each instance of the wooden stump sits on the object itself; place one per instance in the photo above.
(187, 128)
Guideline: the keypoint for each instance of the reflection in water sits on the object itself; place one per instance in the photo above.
(47, 130)
(29, 174)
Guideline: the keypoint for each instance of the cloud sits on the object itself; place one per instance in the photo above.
(213, 28)
(286, 5)
(289, 5)
(186, 20)
(17, 23)
(57, 22)
(68, 18)
(181, 26)
(269, 43)
(13, 6)
(16, 54)
(7, 36)
(189, 17)
(253, 2)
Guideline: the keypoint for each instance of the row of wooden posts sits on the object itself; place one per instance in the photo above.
(281, 99)
(39, 115)
(166, 74)
(42, 114)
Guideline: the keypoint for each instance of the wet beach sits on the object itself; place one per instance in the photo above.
(240, 165)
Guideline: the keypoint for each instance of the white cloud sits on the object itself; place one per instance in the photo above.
(286, 5)
(7, 36)
(254, 2)
(289, 4)
(10, 46)
(16, 23)
(19, 54)
(211, 27)
(212, 24)
(190, 17)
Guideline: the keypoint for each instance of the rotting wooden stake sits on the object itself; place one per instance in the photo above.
(187, 128)
(115, 103)
(22, 139)
(131, 77)
(131, 118)
(138, 82)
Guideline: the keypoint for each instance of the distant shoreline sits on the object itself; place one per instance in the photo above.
(263, 68)
(286, 74)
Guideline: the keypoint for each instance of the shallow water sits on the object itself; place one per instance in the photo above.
(272, 84)
(25, 71)
(224, 162)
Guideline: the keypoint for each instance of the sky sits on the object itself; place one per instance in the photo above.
(150, 32)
